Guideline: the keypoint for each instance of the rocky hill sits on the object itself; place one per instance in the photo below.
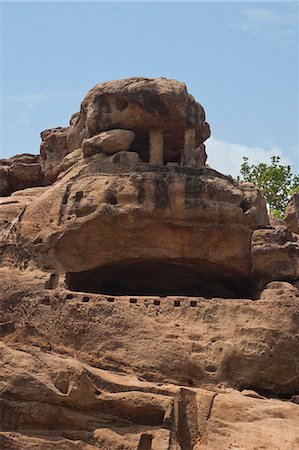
(147, 301)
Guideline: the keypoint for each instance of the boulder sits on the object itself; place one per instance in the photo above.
(275, 254)
(19, 172)
(110, 142)
(134, 104)
(279, 290)
(52, 150)
(140, 104)
(4, 183)
(292, 214)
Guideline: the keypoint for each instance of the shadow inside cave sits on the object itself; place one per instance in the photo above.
(160, 278)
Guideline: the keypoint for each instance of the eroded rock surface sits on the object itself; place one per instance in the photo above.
(275, 254)
(75, 401)
(77, 364)
(109, 142)
(19, 172)
(292, 214)
(139, 104)
(146, 301)
(167, 219)
(52, 151)
(156, 110)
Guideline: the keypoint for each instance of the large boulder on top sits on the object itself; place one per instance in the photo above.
(136, 104)
(139, 104)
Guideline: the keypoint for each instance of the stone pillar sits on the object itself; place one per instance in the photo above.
(189, 146)
(201, 156)
(156, 146)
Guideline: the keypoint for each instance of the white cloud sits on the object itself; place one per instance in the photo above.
(31, 99)
(24, 105)
(227, 157)
(278, 28)
(283, 38)
(259, 17)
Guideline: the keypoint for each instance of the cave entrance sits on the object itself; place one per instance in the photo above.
(173, 143)
(157, 278)
(140, 144)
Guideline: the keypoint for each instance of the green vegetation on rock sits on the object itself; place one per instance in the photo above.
(276, 181)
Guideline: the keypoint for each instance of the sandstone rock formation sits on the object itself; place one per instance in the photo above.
(292, 214)
(19, 172)
(52, 151)
(109, 142)
(167, 122)
(146, 300)
(163, 222)
(275, 254)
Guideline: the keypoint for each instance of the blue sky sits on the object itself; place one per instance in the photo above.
(239, 59)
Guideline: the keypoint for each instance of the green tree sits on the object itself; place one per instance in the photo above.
(276, 181)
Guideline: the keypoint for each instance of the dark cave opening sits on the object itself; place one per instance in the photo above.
(173, 145)
(140, 144)
(158, 278)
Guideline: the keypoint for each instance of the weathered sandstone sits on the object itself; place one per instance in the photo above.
(139, 104)
(19, 172)
(74, 400)
(110, 142)
(147, 301)
(161, 219)
(275, 254)
(52, 151)
(292, 214)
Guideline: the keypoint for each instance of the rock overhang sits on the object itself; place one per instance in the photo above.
(148, 215)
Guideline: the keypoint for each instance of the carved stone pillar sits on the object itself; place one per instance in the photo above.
(189, 146)
(201, 156)
(156, 146)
